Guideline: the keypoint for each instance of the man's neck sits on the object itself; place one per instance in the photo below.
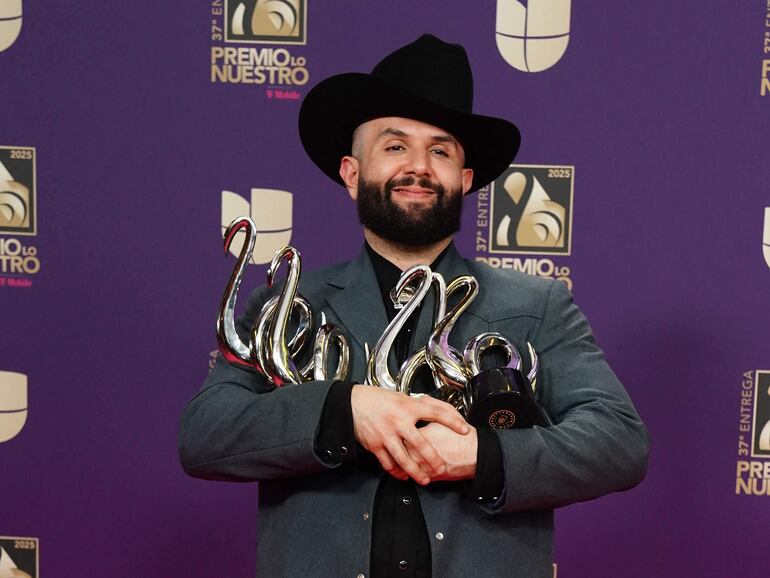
(404, 256)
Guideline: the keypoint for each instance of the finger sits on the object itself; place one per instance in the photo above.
(421, 450)
(443, 413)
(397, 451)
(399, 474)
(419, 460)
(387, 462)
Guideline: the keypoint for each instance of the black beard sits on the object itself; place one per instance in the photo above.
(413, 226)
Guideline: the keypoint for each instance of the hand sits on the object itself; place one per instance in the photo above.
(384, 421)
(458, 451)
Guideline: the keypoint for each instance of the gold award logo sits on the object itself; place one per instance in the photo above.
(19, 557)
(13, 404)
(532, 36)
(18, 216)
(524, 220)
(532, 210)
(271, 211)
(17, 190)
(10, 22)
(766, 237)
(266, 21)
(239, 31)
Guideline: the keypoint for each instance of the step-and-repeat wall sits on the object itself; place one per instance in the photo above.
(130, 133)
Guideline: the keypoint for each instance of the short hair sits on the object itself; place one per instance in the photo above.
(355, 144)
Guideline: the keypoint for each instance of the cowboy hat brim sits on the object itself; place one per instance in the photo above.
(333, 109)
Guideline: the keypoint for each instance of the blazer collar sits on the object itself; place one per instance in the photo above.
(358, 303)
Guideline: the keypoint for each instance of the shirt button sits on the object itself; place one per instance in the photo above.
(360, 576)
(365, 515)
(406, 500)
(328, 453)
(403, 565)
(439, 536)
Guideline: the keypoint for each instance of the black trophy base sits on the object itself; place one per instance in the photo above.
(501, 398)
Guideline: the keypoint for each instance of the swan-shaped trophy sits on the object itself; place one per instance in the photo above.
(443, 323)
(377, 370)
(500, 397)
(230, 345)
(269, 352)
(442, 358)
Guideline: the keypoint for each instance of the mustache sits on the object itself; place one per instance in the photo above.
(423, 182)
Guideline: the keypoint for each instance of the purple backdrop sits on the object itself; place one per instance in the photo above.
(658, 106)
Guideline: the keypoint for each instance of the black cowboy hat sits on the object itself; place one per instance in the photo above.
(428, 80)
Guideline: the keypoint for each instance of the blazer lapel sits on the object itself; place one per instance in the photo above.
(357, 303)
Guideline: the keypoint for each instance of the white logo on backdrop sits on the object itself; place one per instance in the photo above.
(532, 37)
(766, 237)
(10, 22)
(271, 211)
(13, 404)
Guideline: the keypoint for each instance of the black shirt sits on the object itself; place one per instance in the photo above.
(400, 542)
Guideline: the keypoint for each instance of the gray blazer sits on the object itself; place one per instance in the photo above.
(314, 518)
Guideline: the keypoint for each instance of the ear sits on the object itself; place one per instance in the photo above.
(349, 173)
(467, 179)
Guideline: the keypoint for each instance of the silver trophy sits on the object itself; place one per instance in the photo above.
(377, 370)
(501, 397)
(269, 352)
(413, 286)
(498, 397)
(444, 361)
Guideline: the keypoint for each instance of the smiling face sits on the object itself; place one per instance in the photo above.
(408, 180)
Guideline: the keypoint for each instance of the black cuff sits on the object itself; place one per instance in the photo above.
(335, 440)
(490, 474)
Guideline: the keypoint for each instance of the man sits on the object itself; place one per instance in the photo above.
(350, 484)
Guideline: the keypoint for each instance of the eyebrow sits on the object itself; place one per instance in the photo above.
(398, 133)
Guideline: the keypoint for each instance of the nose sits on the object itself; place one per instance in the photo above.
(418, 163)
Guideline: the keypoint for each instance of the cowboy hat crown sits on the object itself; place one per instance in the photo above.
(427, 80)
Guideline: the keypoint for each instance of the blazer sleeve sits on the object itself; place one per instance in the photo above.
(598, 444)
(240, 428)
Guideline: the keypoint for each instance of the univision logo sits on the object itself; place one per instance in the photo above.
(532, 36)
(10, 22)
(766, 237)
(271, 211)
(266, 21)
(13, 404)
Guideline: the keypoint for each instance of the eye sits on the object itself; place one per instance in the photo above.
(394, 147)
(440, 152)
